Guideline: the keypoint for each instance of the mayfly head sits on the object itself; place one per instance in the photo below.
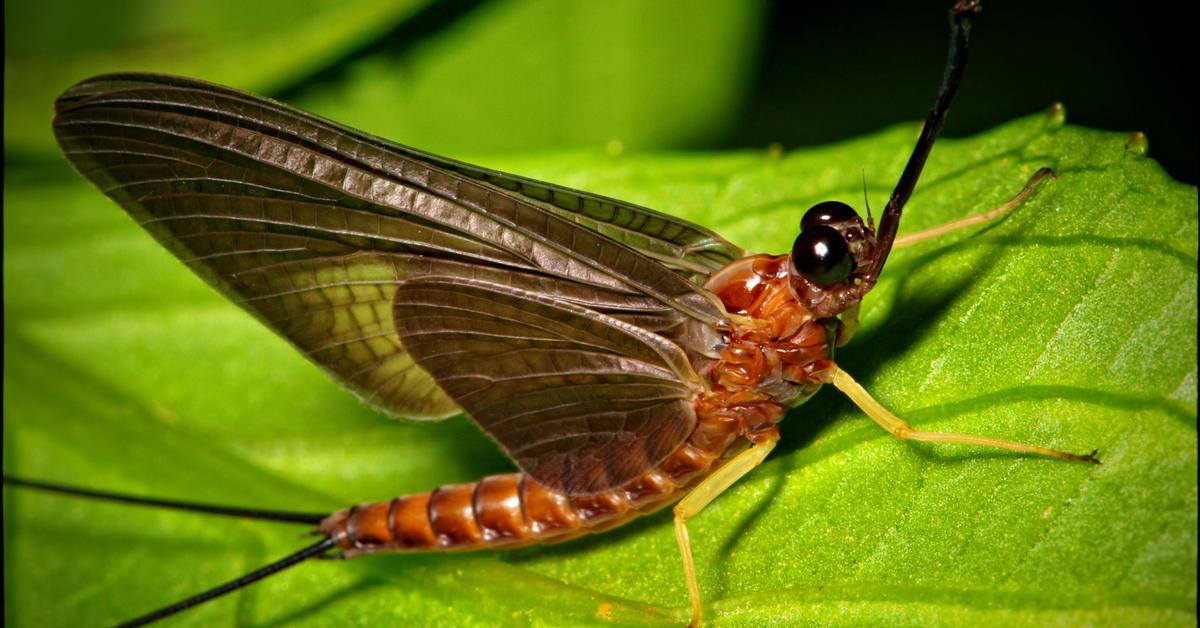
(830, 258)
(837, 258)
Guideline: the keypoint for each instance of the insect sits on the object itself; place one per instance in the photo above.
(625, 360)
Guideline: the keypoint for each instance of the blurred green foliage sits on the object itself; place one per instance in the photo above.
(489, 76)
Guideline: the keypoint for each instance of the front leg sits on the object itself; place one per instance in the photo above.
(990, 215)
(901, 429)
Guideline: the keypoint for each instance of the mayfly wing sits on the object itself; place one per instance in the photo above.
(584, 402)
(310, 225)
(682, 246)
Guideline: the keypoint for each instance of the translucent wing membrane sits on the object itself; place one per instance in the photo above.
(682, 246)
(311, 226)
(582, 401)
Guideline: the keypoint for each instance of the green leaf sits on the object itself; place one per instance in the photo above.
(1071, 323)
(54, 43)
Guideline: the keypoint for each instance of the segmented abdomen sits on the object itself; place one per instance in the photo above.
(513, 509)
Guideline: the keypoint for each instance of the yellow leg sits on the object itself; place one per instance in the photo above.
(699, 497)
(979, 218)
(898, 428)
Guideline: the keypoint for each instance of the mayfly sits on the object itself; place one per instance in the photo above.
(624, 359)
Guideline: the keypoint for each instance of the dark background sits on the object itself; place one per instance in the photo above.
(1120, 66)
(820, 72)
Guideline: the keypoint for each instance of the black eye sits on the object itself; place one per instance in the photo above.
(820, 254)
(827, 212)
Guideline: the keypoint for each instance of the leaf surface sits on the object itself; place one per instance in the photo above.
(1071, 323)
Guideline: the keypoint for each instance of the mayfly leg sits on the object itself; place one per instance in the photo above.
(702, 495)
(900, 429)
(977, 219)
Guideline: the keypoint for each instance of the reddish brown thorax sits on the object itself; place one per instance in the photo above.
(777, 350)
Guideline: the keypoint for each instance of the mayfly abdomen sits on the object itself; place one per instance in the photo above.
(513, 509)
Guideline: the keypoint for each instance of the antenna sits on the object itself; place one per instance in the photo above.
(867, 201)
(956, 62)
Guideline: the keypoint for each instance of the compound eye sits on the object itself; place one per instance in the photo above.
(821, 255)
(826, 213)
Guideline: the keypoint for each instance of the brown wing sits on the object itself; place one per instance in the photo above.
(311, 226)
(582, 401)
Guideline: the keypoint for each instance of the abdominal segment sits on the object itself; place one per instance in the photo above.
(513, 509)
